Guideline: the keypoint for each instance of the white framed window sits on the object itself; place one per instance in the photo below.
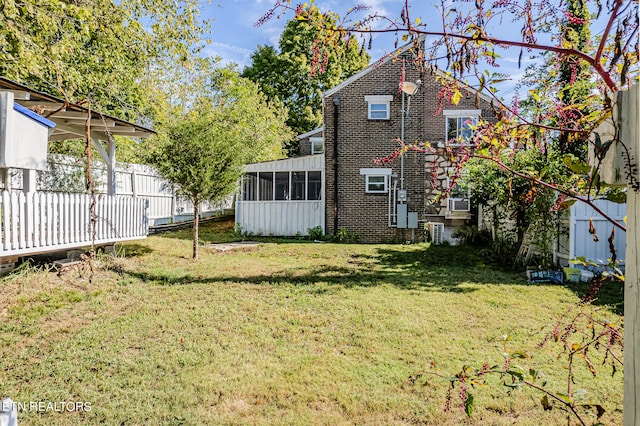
(376, 180)
(379, 107)
(317, 145)
(460, 125)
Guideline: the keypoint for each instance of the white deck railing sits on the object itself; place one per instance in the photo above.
(45, 221)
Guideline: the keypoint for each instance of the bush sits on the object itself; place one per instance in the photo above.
(315, 233)
(501, 252)
(345, 236)
(472, 236)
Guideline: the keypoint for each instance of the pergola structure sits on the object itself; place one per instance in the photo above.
(71, 122)
(35, 222)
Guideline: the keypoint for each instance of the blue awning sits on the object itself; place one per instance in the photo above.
(37, 117)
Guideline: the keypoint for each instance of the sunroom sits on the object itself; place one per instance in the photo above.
(283, 197)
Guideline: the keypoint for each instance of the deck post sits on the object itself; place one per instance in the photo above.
(6, 178)
(28, 181)
(111, 166)
(629, 105)
(134, 189)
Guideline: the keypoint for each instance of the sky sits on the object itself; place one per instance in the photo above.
(234, 36)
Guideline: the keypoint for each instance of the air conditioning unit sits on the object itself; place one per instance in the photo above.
(436, 231)
(459, 205)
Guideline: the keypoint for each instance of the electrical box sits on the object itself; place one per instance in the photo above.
(412, 220)
(23, 136)
(402, 195)
(402, 216)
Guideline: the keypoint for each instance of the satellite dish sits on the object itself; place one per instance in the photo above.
(408, 87)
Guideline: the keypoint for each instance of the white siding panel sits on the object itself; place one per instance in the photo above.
(308, 162)
(280, 218)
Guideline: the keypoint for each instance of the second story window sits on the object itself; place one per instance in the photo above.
(317, 145)
(379, 107)
(460, 125)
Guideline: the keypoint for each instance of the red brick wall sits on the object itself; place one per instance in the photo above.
(359, 140)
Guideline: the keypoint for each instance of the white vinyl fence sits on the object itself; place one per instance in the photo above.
(67, 174)
(45, 221)
(582, 242)
(574, 240)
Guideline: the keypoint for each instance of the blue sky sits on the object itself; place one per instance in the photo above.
(234, 36)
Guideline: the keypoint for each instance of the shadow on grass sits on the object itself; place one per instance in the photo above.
(133, 249)
(610, 294)
(430, 268)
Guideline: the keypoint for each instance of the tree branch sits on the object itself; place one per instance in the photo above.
(563, 402)
(605, 34)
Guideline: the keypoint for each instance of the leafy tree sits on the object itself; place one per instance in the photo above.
(574, 77)
(529, 206)
(229, 124)
(97, 50)
(302, 69)
(113, 54)
(197, 157)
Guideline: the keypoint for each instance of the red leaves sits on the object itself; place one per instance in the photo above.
(575, 20)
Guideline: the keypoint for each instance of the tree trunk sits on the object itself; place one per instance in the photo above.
(196, 214)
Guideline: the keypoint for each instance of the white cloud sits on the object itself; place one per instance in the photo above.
(229, 53)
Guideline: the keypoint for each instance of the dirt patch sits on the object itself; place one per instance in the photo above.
(242, 245)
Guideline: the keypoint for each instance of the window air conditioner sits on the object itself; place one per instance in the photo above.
(459, 205)
(436, 231)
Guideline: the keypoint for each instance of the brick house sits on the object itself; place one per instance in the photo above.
(388, 201)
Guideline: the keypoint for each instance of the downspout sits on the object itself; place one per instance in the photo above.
(336, 103)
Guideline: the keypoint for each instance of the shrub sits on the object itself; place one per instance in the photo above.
(472, 236)
(345, 236)
(315, 233)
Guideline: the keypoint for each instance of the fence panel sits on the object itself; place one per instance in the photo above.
(39, 222)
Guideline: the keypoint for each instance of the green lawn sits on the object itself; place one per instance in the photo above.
(284, 333)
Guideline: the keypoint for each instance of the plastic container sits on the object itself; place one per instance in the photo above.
(585, 276)
(571, 275)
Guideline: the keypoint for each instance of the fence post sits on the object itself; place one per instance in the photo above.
(629, 123)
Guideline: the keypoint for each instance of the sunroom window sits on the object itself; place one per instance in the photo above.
(282, 186)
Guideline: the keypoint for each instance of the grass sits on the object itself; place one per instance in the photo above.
(283, 333)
